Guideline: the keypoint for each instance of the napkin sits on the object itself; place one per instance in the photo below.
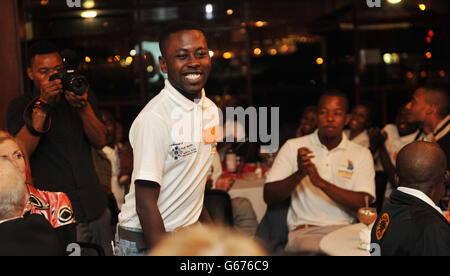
(364, 236)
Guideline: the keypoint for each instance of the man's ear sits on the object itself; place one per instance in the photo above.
(163, 64)
(30, 73)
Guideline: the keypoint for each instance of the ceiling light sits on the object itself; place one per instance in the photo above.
(89, 14)
(89, 4)
(394, 1)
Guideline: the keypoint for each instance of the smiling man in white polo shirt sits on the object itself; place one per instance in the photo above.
(173, 141)
(327, 176)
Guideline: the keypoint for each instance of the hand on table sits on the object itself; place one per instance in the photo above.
(224, 183)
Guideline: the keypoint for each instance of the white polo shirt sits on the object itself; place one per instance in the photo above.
(361, 139)
(394, 142)
(348, 166)
(169, 148)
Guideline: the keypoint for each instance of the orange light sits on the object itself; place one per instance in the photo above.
(227, 55)
(230, 11)
(423, 74)
(409, 75)
(257, 51)
(273, 52)
(442, 73)
(319, 61)
(422, 7)
(87, 59)
(284, 48)
(428, 55)
(261, 24)
(44, 2)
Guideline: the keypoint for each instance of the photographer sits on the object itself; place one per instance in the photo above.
(57, 128)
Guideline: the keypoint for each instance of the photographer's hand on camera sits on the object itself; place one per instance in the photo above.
(50, 90)
(78, 102)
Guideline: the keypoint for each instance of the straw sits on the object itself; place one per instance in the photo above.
(366, 198)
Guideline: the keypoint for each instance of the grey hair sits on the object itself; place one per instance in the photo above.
(12, 190)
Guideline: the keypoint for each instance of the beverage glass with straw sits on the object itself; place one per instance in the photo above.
(367, 215)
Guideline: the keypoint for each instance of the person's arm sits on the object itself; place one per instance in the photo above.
(386, 162)
(378, 144)
(277, 191)
(94, 129)
(205, 217)
(29, 140)
(48, 92)
(346, 198)
(147, 194)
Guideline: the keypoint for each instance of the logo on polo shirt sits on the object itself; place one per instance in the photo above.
(348, 172)
(181, 150)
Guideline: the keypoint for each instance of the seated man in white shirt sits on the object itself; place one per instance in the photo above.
(327, 176)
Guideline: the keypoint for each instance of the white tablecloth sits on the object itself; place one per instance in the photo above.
(252, 188)
(344, 242)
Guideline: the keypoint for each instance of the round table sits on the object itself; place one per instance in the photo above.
(344, 242)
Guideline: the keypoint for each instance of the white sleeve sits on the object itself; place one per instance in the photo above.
(285, 163)
(364, 176)
(150, 142)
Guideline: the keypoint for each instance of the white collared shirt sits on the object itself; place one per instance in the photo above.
(441, 132)
(169, 148)
(361, 139)
(394, 142)
(118, 191)
(349, 166)
(420, 195)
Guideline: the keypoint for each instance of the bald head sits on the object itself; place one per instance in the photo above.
(421, 166)
(12, 190)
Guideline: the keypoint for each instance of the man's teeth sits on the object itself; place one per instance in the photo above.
(193, 76)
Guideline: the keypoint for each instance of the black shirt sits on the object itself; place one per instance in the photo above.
(62, 161)
(407, 226)
(30, 236)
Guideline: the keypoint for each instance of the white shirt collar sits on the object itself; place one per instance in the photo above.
(342, 145)
(443, 131)
(420, 195)
(184, 102)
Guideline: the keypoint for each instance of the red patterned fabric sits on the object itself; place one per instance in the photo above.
(55, 207)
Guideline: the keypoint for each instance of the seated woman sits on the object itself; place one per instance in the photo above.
(55, 207)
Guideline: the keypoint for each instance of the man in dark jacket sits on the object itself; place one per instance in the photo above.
(411, 224)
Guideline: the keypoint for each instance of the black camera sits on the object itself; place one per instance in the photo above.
(72, 81)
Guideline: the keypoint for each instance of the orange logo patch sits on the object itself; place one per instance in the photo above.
(383, 224)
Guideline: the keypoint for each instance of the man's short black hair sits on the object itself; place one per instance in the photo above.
(40, 48)
(175, 28)
(336, 93)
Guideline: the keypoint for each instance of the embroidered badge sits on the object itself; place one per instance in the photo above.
(383, 224)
